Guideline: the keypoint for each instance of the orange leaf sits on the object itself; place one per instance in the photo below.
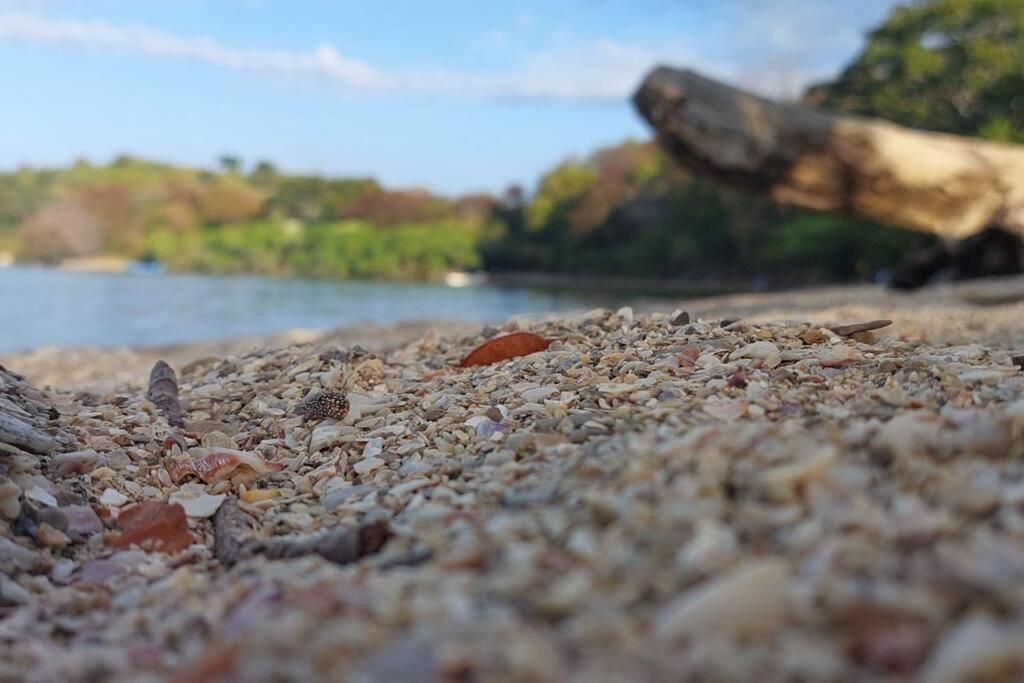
(503, 348)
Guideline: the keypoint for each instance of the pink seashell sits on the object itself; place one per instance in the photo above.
(220, 464)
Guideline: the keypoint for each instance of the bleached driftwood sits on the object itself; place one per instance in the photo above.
(950, 186)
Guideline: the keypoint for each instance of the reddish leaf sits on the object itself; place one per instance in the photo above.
(503, 348)
(154, 526)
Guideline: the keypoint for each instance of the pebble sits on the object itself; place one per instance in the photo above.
(82, 521)
(749, 600)
(645, 500)
(37, 494)
(339, 496)
(10, 505)
(113, 497)
(368, 465)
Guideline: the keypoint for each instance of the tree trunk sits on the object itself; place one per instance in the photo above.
(945, 185)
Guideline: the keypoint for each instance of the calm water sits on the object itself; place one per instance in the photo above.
(41, 307)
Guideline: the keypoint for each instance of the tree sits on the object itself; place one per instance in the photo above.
(943, 65)
(230, 163)
(59, 230)
(264, 174)
(228, 199)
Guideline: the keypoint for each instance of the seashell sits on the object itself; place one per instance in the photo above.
(324, 404)
(976, 649)
(727, 409)
(839, 356)
(220, 464)
(748, 600)
(201, 506)
(765, 351)
(506, 347)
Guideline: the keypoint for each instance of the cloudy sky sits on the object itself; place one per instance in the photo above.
(455, 95)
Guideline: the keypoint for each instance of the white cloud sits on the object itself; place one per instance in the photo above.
(323, 62)
(601, 71)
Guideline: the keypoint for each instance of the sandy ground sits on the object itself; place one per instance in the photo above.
(652, 497)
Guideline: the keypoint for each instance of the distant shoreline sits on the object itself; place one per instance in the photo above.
(580, 282)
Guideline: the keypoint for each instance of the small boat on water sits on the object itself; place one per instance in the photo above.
(456, 278)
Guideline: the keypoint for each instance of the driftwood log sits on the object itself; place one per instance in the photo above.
(968, 192)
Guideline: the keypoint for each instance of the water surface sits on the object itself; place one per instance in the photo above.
(41, 306)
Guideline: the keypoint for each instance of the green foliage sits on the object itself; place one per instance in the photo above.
(312, 198)
(946, 65)
(823, 246)
(349, 249)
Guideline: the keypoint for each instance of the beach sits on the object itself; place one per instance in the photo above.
(768, 486)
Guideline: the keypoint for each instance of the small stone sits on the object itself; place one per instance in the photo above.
(218, 439)
(813, 336)
(339, 496)
(51, 537)
(15, 557)
(850, 330)
(82, 522)
(538, 394)
(37, 494)
(748, 600)
(412, 468)
(55, 517)
(113, 497)
(10, 505)
(680, 318)
(325, 436)
(367, 465)
(103, 473)
(12, 594)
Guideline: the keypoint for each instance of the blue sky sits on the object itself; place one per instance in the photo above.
(457, 96)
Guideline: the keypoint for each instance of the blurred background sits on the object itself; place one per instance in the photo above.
(173, 172)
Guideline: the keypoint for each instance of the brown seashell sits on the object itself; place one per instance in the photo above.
(506, 347)
(220, 464)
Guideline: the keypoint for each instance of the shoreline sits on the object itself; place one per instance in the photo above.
(987, 304)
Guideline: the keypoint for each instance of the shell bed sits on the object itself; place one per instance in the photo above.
(650, 498)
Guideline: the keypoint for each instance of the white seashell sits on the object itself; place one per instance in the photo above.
(976, 649)
(39, 495)
(113, 497)
(764, 351)
(726, 409)
(749, 600)
(201, 506)
(538, 394)
(325, 436)
(367, 465)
